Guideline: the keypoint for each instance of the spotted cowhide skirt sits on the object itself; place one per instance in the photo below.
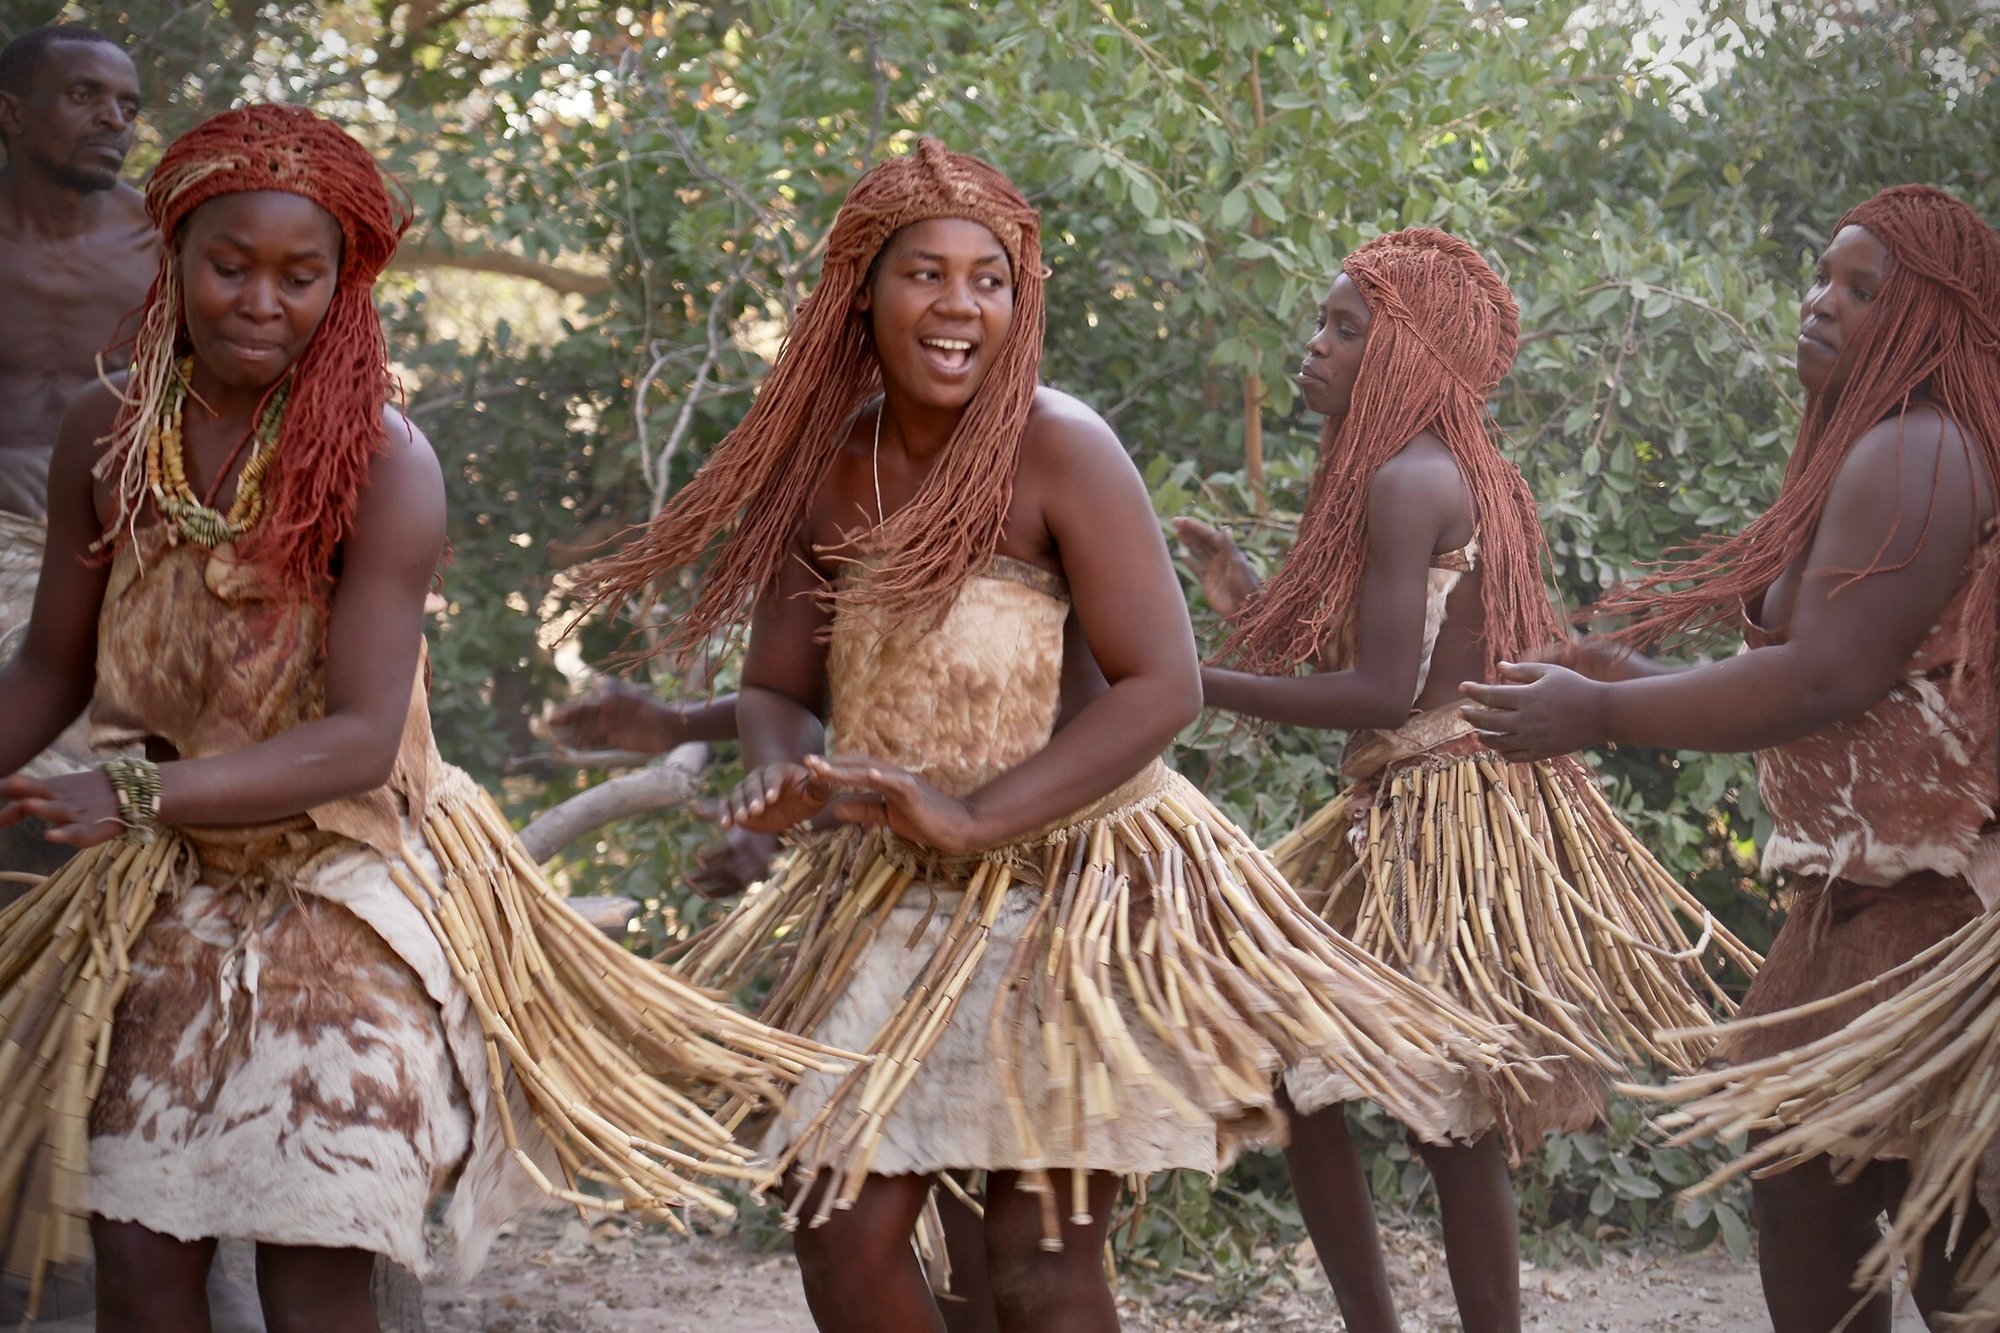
(278, 1072)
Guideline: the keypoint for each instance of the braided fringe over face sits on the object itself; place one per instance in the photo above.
(1445, 332)
(1935, 325)
(760, 482)
(333, 424)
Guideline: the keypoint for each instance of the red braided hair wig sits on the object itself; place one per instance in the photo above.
(760, 482)
(1933, 327)
(339, 385)
(1444, 333)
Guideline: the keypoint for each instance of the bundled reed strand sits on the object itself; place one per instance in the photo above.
(65, 960)
(1517, 889)
(609, 1050)
(1979, 1279)
(1157, 917)
(613, 1056)
(1917, 1074)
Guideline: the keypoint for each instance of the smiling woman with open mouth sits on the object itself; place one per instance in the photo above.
(967, 650)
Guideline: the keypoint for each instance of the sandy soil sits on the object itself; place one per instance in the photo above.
(555, 1275)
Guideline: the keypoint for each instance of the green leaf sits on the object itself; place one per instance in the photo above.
(1235, 205)
(1676, 1167)
(1735, 1235)
(1145, 198)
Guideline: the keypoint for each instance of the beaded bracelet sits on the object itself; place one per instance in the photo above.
(136, 783)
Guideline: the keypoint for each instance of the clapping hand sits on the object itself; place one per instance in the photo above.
(770, 799)
(873, 793)
(1543, 710)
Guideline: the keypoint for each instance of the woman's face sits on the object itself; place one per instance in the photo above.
(1838, 303)
(258, 271)
(1333, 354)
(939, 305)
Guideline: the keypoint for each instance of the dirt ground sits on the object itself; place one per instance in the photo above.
(556, 1275)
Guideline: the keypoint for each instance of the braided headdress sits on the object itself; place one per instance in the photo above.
(1933, 327)
(759, 483)
(1444, 333)
(339, 385)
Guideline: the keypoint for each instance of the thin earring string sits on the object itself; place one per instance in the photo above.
(875, 463)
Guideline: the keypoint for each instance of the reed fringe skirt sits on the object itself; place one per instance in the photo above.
(287, 1035)
(22, 543)
(1116, 994)
(1516, 891)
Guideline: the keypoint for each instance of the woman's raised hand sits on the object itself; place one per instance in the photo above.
(1227, 580)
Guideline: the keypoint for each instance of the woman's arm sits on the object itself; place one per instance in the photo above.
(1910, 499)
(374, 637)
(1081, 679)
(780, 709)
(625, 717)
(1411, 503)
(1600, 659)
(50, 680)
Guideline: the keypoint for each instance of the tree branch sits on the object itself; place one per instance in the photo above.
(568, 281)
(556, 761)
(662, 787)
(659, 470)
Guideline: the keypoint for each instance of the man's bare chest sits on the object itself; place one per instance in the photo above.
(62, 303)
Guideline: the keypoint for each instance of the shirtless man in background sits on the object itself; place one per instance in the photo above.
(77, 254)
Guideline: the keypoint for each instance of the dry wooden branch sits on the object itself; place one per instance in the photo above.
(661, 787)
(567, 281)
(556, 761)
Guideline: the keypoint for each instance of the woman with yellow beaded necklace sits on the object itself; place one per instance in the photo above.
(311, 987)
(166, 469)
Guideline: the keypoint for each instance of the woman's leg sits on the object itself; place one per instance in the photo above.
(1482, 1231)
(1340, 1216)
(149, 1283)
(861, 1272)
(1812, 1231)
(312, 1289)
(1042, 1291)
(968, 1308)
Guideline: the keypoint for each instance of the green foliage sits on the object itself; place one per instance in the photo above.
(1586, 1191)
(620, 204)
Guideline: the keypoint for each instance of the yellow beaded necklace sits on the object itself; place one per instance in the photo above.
(166, 469)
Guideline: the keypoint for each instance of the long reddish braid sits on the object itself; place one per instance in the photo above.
(333, 423)
(1934, 326)
(760, 482)
(1444, 333)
